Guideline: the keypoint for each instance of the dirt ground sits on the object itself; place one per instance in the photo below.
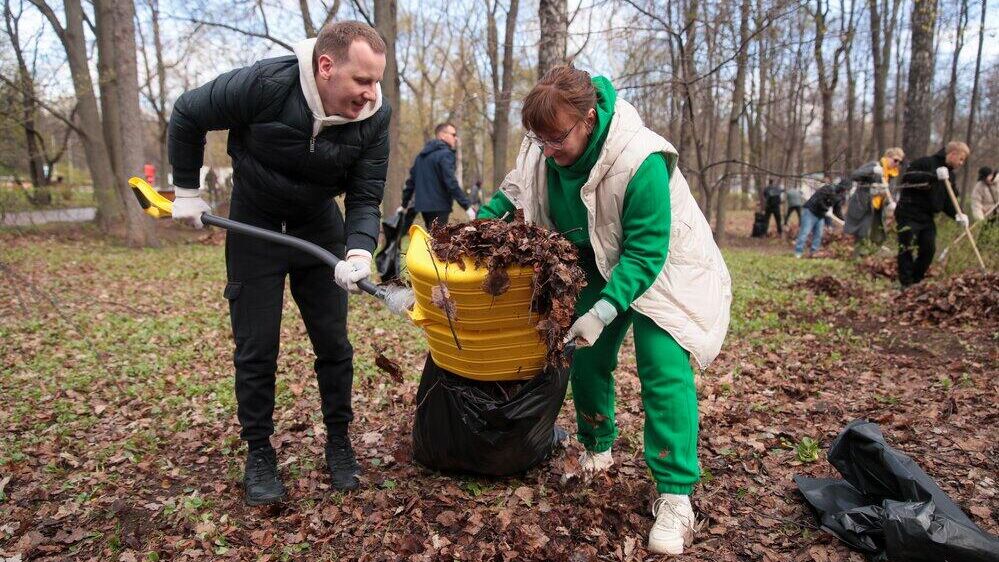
(122, 439)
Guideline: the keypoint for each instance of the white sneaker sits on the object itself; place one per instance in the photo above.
(674, 526)
(590, 464)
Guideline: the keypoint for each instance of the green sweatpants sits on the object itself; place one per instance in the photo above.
(668, 394)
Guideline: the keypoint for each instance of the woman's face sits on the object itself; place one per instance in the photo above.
(568, 142)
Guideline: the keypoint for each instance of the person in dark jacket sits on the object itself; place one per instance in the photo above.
(865, 209)
(771, 201)
(923, 194)
(432, 180)
(303, 129)
(815, 209)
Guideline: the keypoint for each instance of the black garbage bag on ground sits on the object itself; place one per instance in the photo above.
(760, 223)
(388, 260)
(488, 428)
(887, 507)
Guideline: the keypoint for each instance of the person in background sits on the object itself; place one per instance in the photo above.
(794, 202)
(590, 169)
(818, 206)
(985, 195)
(771, 204)
(866, 206)
(923, 194)
(432, 185)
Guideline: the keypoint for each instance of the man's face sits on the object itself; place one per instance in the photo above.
(449, 135)
(345, 88)
(956, 159)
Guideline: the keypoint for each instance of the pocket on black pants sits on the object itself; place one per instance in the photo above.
(232, 292)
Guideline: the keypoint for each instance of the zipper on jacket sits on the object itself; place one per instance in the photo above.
(284, 227)
(312, 144)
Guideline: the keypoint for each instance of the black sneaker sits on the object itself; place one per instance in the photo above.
(260, 479)
(342, 465)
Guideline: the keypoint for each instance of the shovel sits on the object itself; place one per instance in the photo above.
(398, 299)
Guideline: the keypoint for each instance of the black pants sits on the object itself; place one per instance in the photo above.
(775, 211)
(430, 216)
(919, 239)
(790, 210)
(256, 273)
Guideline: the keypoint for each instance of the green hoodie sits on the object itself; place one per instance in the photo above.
(645, 216)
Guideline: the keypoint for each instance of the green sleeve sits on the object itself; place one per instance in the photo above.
(498, 206)
(645, 225)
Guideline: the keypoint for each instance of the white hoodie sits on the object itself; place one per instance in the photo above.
(303, 50)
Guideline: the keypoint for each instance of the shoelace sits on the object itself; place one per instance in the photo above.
(669, 523)
(264, 470)
(342, 458)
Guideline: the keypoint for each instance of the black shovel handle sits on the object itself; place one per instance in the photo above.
(308, 247)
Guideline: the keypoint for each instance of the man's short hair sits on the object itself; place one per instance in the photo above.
(336, 38)
(441, 126)
(958, 146)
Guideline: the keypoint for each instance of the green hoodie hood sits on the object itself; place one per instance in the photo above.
(564, 182)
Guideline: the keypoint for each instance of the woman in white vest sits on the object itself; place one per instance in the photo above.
(590, 169)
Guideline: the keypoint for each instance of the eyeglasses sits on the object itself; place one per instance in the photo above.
(556, 144)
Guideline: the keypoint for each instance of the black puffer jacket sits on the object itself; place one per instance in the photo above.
(278, 166)
(432, 181)
(827, 197)
(922, 194)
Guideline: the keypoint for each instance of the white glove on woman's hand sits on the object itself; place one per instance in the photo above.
(962, 219)
(470, 212)
(355, 267)
(188, 206)
(943, 173)
(589, 326)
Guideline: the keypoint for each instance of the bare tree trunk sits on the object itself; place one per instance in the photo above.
(896, 132)
(385, 20)
(501, 88)
(554, 32)
(919, 98)
(881, 44)
(732, 141)
(110, 208)
(951, 109)
(973, 108)
(120, 101)
(851, 115)
(29, 110)
(307, 25)
(161, 110)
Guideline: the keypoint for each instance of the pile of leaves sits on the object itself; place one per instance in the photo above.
(497, 245)
(828, 285)
(968, 299)
(880, 266)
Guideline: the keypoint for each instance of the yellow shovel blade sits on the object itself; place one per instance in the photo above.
(154, 204)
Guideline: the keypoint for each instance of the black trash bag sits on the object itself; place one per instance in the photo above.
(487, 428)
(760, 223)
(888, 508)
(388, 260)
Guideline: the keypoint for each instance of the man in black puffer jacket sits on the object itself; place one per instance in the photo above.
(302, 129)
(432, 180)
(923, 195)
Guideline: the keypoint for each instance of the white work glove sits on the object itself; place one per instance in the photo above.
(355, 267)
(470, 212)
(589, 326)
(188, 206)
(962, 219)
(943, 173)
(879, 171)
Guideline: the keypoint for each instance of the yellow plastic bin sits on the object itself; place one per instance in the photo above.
(499, 341)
